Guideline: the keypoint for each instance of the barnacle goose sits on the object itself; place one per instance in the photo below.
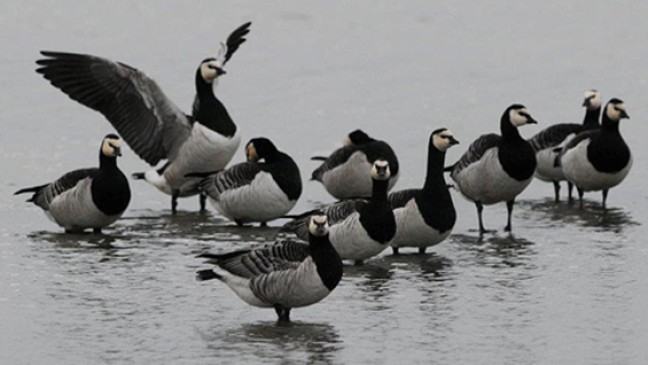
(549, 142)
(86, 198)
(344, 173)
(152, 125)
(360, 228)
(283, 275)
(256, 191)
(425, 217)
(598, 159)
(497, 168)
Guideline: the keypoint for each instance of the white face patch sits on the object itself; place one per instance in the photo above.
(347, 142)
(442, 140)
(108, 146)
(318, 225)
(517, 116)
(251, 153)
(613, 111)
(380, 170)
(208, 70)
(594, 99)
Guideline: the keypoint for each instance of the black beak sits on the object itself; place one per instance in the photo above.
(453, 141)
(532, 121)
(220, 71)
(117, 151)
(624, 115)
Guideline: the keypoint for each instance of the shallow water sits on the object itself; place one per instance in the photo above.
(568, 286)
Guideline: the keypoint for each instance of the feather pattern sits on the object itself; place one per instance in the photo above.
(476, 151)
(134, 104)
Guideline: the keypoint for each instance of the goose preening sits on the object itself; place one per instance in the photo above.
(150, 123)
(345, 173)
(283, 275)
(360, 229)
(598, 159)
(548, 143)
(86, 198)
(255, 190)
(497, 168)
(425, 217)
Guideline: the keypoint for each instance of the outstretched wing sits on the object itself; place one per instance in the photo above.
(132, 102)
(476, 150)
(337, 158)
(234, 177)
(399, 199)
(250, 263)
(45, 194)
(235, 39)
(554, 135)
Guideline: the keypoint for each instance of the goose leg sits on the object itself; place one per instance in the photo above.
(422, 250)
(263, 224)
(395, 251)
(480, 208)
(174, 202)
(283, 314)
(580, 196)
(570, 188)
(605, 195)
(557, 190)
(358, 263)
(509, 208)
(96, 230)
(203, 201)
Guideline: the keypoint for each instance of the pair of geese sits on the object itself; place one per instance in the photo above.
(495, 168)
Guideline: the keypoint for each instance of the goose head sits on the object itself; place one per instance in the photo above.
(357, 138)
(518, 115)
(380, 170)
(442, 139)
(318, 225)
(211, 69)
(592, 99)
(259, 148)
(111, 146)
(615, 110)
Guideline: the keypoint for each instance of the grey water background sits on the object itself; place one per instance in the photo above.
(569, 286)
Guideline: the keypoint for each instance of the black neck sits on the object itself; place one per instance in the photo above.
(434, 178)
(327, 260)
(591, 120)
(107, 163)
(509, 131)
(609, 125)
(210, 112)
(379, 191)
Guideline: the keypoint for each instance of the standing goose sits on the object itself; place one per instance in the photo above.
(344, 173)
(549, 142)
(598, 159)
(283, 275)
(360, 229)
(152, 125)
(425, 217)
(497, 168)
(86, 198)
(254, 191)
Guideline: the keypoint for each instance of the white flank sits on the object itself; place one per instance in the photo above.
(352, 179)
(580, 171)
(74, 210)
(487, 182)
(261, 201)
(241, 287)
(411, 229)
(545, 170)
(351, 241)
(204, 151)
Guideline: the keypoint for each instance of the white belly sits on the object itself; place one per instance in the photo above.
(351, 241)
(411, 229)
(204, 151)
(580, 171)
(74, 210)
(261, 201)
(487, 182)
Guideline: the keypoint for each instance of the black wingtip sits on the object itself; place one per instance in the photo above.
(448, 168)
(203, 275)
(318, 158)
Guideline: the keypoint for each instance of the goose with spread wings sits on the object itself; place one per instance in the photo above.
(150, 123)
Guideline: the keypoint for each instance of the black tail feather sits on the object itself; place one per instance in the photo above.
(138, 175)
(319, 158)
(209, 274)
(449, 168)
(32, 189)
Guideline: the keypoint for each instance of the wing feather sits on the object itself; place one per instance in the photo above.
(476, 151)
